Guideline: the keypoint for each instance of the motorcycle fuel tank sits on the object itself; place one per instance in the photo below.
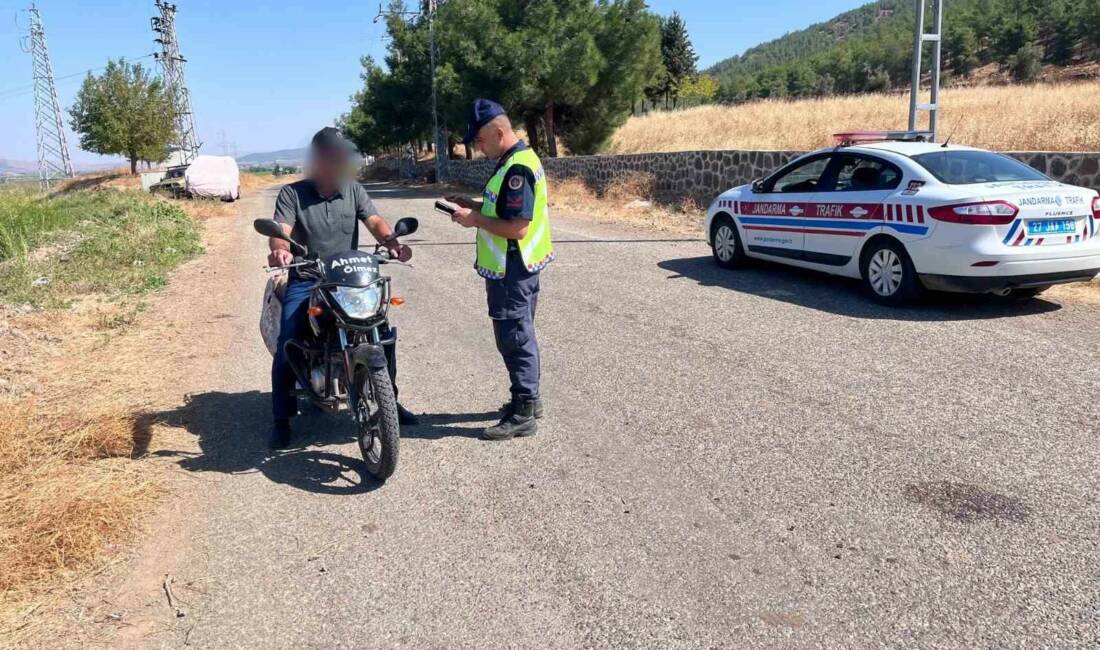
(351, 269)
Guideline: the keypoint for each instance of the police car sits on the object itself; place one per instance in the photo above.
(903, 215)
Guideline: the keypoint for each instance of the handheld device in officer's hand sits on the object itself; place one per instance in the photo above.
(444, 208)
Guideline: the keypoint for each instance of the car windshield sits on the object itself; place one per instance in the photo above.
(964, 167)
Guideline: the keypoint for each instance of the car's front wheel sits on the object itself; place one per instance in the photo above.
(726, 244)
(888, 274)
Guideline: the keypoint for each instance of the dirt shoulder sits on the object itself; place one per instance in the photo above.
(100, 373)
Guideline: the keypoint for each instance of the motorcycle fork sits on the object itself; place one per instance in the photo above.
(349, 373)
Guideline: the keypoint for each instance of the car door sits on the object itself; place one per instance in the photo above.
(849, 206)
(773, 221)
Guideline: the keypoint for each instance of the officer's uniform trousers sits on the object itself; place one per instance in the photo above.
(512, 301)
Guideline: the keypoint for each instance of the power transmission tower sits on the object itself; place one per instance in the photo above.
(53, 150)
(171, 63)
(920, 38)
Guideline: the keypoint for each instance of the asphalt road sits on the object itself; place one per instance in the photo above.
(729, 459)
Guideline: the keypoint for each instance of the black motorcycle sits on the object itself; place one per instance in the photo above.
(343, 360)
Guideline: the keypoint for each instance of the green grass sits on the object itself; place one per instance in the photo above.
(112, 242)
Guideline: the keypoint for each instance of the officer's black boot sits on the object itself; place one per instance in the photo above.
(505, 408)
(518, 421)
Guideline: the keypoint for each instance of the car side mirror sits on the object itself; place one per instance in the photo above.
(758, 186)
(406, 226)
(272, 228)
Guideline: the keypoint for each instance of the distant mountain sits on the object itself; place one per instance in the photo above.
(284, 156)
(17, 167)
(30, 167)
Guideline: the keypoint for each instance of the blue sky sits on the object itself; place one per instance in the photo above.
(268, 74)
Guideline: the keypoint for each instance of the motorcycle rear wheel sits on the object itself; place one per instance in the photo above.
(379, 431)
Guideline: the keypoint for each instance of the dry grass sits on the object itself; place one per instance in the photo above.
(70, 491)
(66, 494)
(1041, 117)
(630, 199)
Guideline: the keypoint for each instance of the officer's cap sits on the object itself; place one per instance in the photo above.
(482, 112)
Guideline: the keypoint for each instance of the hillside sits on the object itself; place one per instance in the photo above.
(814, 39)
(1048, 117)
(869, 49)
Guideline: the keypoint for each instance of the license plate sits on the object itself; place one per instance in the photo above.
(1052, 227)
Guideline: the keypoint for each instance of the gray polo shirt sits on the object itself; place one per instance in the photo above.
(324, 225)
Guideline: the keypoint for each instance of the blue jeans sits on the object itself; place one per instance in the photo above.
(284, 402)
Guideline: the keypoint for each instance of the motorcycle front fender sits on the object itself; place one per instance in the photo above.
(370, 355)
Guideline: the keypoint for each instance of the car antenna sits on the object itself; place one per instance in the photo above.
(952, 134)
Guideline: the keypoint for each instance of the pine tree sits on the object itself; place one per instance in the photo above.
(678, 54)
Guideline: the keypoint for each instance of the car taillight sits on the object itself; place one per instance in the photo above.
(985, 213)
(1096, 206)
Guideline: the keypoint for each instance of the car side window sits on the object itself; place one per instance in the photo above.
(801, 178)
(863, 174)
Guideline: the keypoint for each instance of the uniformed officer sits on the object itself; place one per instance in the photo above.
(513, 245)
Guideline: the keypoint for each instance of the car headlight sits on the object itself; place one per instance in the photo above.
(359, 302)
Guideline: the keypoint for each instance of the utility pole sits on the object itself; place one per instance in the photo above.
(438, 137)
(920, 38)
(171, 63)
(442, 151)
(53, 150)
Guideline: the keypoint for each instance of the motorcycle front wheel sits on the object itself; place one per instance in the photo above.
(379, 432)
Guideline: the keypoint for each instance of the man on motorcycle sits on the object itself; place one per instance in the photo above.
(321, 212)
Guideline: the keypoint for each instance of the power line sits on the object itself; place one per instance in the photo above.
(28, 89)
(53, 150)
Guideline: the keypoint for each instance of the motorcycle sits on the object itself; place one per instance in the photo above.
(343, 361)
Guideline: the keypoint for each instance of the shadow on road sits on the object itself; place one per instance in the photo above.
(842, 296)
(392, 190)
(436, 426)
(232, 434)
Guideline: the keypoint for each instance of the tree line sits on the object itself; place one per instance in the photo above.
(568, 70)
(872, 47)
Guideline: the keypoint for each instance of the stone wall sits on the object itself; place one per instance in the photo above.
(704, 174)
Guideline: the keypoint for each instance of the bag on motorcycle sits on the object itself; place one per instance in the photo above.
(271, 313)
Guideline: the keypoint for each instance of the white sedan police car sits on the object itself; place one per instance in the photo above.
(905, 215)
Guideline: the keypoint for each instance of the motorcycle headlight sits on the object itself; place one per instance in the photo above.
(359, 302)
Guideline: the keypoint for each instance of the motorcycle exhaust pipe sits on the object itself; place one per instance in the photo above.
(295, 356)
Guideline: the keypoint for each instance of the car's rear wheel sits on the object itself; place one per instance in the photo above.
(888, 274)
(726, 244)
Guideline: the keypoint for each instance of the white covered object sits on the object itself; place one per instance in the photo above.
(214, 177)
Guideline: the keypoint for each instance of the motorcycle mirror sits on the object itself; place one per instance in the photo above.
(272, 228)
(406, 226)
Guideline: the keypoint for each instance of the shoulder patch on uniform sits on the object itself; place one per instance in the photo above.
(515, 182)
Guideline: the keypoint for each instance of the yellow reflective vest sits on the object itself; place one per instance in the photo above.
(536, 248)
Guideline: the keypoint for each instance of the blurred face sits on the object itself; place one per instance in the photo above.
(330, 168)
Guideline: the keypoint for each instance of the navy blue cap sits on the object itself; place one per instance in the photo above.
(482, 112)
